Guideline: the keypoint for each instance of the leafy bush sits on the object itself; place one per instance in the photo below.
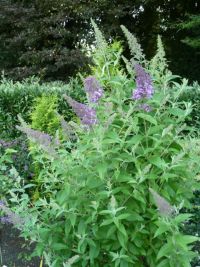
(113, 197)
(43, 116)
(192, 226)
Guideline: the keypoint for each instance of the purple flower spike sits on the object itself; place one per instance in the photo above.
(86, 114)
(93, 88)
(10, 217)
(144, 86)
(2, 203)
(42, 139)
(145, 107)
(5, 220)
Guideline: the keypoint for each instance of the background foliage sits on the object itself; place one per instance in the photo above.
(45, 38)
(19, 97)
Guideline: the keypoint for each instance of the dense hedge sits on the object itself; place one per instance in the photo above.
(192, 94)
(17, 98)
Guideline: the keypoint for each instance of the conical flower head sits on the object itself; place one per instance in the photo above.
(93, 88)
(144, 86)
(162, 204)
(86, 114)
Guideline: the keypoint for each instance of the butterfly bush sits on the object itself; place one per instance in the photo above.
(86, 114)
(110, 197)
(93, 88)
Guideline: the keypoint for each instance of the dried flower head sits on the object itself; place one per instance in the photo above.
(144, 86)
(67, 130)
(7, 144)
(145, 107)
(42, 139)
(10, 217)
(163, 205)
(93, 88)
(71, 261)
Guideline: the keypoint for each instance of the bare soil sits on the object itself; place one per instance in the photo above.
(12, 251)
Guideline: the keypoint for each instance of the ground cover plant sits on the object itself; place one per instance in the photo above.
(112, 187)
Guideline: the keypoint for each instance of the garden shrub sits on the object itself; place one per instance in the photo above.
(113, 197)
(44, 116)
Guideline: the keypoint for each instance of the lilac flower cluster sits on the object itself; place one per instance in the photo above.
(93, 88)
(162, 204)
(145, 107)
(42, 139)
(86, 114)
(8, 144)
(39, 137)
(10, 216)
(144, 86)
(67, 130)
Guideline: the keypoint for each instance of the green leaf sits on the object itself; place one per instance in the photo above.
(177, 112)
(134, 139)
(122, 239)
(186, 239)
(103, 212)
(107, 222)
(93, 252)
(116, 221)
(102, 168)
(59, 246)
(72, 218)
(163, 263)
(163, 228)
(62, 196)
(39, 249)
(122, 229)
(94, 182)
(124, 216)
(112, 229)
(157, 161)
(139, 196)
(165, 250)
(147, 117)
(82, 227)
(182, 217)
